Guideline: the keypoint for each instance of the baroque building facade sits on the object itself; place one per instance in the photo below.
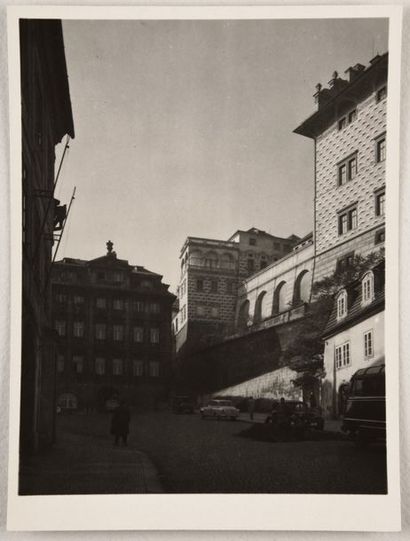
(113, 322)
(46, 119)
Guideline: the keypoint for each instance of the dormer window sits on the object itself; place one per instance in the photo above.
(341, 304)
(367, 288)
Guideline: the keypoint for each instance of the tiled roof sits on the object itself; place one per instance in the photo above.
(356, 310)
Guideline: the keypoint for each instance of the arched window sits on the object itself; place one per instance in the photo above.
(341, 304)
(211, 260)
(367, 288)
(279, 299)
(258, 315)
(301, 291)
(227, 261)
(196, 258)
(243, 315)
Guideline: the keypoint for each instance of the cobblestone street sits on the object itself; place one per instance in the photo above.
(191, 455)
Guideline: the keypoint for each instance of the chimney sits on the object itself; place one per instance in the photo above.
(321, 96)
(336, 84)
(354, 71)
(375, 59)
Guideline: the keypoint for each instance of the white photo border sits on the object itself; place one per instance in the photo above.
(320, 512)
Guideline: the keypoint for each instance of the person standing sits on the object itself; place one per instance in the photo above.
(120, 424)
(251, 407)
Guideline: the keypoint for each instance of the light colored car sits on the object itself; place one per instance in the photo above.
(220, 409)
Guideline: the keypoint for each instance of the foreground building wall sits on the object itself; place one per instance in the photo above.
(46, 119)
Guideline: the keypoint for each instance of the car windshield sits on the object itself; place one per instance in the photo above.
(220, 403)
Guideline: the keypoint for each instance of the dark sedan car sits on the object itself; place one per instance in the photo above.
(183, 404)
(299, 412)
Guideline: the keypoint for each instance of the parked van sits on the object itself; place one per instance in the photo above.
(365, 416)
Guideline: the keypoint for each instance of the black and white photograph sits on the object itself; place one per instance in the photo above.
(205, 245)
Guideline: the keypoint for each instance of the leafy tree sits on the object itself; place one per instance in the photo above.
(305, 352)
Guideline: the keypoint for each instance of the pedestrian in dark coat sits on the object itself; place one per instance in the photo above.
(120, 424)
(251, 407)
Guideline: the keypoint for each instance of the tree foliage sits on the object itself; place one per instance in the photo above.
(305, 352)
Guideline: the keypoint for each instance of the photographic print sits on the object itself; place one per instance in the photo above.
(204, 244)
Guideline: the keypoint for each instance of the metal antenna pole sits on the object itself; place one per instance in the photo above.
(51, 200)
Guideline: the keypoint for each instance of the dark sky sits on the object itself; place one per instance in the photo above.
(185, 128)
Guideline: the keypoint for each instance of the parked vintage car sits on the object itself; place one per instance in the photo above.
(365, 416)
(183, 404)
(300, 413)
(220, 409)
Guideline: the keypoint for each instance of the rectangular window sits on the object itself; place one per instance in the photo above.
(214, 311)
(138, 334)
(101, 303)
(380, 203)
(352, 168)
(347, 170)
(60, 327)
(342, 356)
(347, 220)
(200, 310)
(100, 331)
(199, 285)
(118, 304)
(352, 116)
(138, 306)
(252, 241)
(137, 368)
(154, 336)
(117, 367)
(60, 363)
(381, 94)
(100, 366)
(214, 286)
(78, 299)
(251, 265)
(380, 236)
(353, 218)
(342, 305)
(342, 123)
(61, 298)
(368, 344)
(118, 333)
(154, 369)
(78, 362)
(381, 149)
(345, 262)
(118, 276)
(78, 329)
(153, 308)
(342, 174)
